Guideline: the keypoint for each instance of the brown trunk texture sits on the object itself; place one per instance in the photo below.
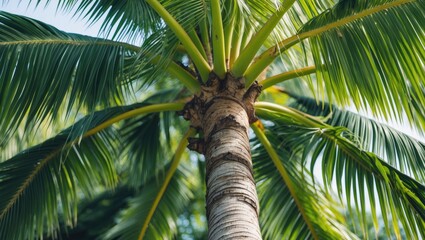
(223, 112)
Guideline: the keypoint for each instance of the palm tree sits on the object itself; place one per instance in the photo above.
(285, 69)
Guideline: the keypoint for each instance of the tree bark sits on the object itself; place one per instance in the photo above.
(223, 112)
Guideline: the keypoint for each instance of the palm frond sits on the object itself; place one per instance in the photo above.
(300, 13)
(255, 43)
(130, 20)
(253, 13)
(170, 15)
(397, 148)
(190, 15)
(81, 155)
(163, 223)
(155, 55)
(253, 16)
(308, 9)
(41, 66)
(122, 20)
(360, 59)
(33, 181)
(96, 215)
(158, 48)
(345, 162)
(146, 149)
(181, 10)
(148, 139)
(256, 14)
(312, 215)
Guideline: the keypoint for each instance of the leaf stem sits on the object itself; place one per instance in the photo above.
(229, 31)
(268, 82)
(248, 53)
(298, 116)
(247, 35)
(199, 61)
(170, 173)
(283, 173)
(135, 112)
(184, 76)
(219, 57)
(205, 37)
(194, 36)
(236, 41)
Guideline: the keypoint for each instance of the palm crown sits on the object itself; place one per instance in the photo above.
(90, 126)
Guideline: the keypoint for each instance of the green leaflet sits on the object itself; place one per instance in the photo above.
(163, 224)
(43, 70)
(366, 62)
(397, 148)
(42, 181)
(355, 171)
(48, 174)
(281, 217)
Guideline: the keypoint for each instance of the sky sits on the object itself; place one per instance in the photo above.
(48, 14)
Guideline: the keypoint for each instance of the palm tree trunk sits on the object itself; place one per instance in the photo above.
(224, 110)
(232, 204)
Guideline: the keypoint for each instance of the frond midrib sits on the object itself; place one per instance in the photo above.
(75, 42)
(31, 177)
(342, 21)
(361, 14)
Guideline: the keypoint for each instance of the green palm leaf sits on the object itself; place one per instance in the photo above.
(148, 139)
(300, 12)
(307, 9)
(129, 20)
(345, 51)
(41, 66)
(52, 170)
(397, 148)
(281, 217)
(163, 223)
(97, 215)
(33, 181)
(361, 59)
(144, 157)
(188, 13)
(357, 173)
(155, 54)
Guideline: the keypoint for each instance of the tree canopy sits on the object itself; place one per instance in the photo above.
(94, 129)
